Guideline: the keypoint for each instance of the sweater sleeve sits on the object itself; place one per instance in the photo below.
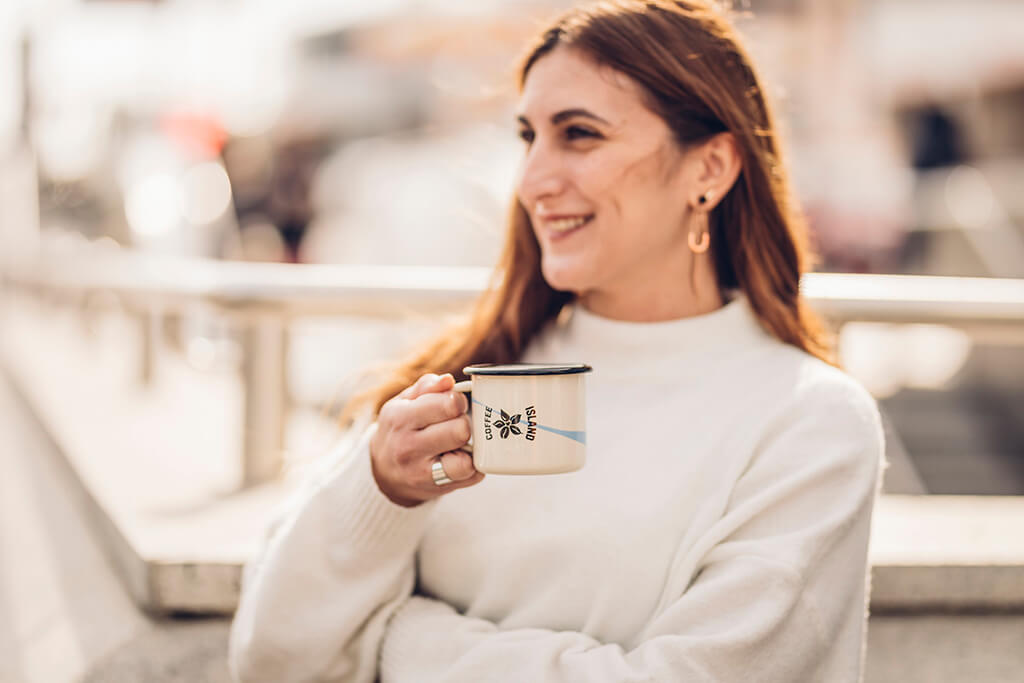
(335, 566)
(768, 593)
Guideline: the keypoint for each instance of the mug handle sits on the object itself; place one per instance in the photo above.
(465, 387)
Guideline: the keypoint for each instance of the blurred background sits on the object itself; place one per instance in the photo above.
(160, 160)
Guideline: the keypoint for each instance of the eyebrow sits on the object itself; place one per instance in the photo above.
(566, 114)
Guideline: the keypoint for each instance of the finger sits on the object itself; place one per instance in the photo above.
(466, 483)
(430, 409)
(457, 465)
(439, 383)
(442, 437)
(413, 389)
(431, 383)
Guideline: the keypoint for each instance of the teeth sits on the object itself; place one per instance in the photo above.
(566, 224)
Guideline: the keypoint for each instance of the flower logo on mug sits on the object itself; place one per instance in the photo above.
(508, 425)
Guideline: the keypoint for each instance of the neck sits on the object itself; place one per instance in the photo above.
(650, 301)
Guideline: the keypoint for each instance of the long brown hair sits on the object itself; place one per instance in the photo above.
(698, 77)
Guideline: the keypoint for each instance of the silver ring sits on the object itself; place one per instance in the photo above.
(438, 473)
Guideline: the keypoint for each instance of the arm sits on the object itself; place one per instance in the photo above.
(334, 569)
(777, 590)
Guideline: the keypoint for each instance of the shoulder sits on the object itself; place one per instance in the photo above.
(828, 390)
(801, 383)
(806, 405)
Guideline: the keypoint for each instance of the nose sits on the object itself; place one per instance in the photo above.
(541, 175)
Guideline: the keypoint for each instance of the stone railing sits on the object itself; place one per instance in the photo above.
(262, 298)
(928, 552)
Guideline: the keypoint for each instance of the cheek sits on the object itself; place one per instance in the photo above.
(626, 182)
(595, 176)
(646, 175)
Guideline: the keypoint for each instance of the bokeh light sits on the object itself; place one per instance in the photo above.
(153, 205)
(206, 193)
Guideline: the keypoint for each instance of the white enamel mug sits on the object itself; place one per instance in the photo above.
(528, 418)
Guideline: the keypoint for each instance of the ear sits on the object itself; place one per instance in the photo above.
(719, 165)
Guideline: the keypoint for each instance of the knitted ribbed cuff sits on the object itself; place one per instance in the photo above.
(363, 515)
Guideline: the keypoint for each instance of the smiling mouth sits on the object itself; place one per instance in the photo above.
(563, 226)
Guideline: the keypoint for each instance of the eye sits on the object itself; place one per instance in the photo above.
(526, 135)
(578, 132)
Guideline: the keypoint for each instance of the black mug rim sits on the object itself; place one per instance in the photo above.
(526, 369)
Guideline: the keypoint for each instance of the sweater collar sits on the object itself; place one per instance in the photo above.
(730, 327)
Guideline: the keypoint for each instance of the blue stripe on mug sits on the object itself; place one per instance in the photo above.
(575, 435)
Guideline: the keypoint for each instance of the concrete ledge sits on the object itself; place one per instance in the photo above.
(923, 588)
(159, 479)
(198, 582)
(948, 553)
(157, 467)
(194, 587)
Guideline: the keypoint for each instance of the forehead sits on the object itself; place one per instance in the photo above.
(568, 79)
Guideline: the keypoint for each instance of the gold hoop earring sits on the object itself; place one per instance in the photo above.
(699, 246)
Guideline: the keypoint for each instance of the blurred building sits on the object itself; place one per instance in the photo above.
(124, 98)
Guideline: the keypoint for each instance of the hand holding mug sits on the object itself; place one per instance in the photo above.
(528, 418)
(424, 421)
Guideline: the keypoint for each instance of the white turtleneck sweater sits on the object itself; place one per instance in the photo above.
(718, 532)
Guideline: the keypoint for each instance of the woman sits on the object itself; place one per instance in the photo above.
(719, 529)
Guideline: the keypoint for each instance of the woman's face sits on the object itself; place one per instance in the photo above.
(603, 181)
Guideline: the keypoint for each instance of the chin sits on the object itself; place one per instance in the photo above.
(565, 279)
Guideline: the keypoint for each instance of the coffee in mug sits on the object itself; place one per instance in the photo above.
(528, 418)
